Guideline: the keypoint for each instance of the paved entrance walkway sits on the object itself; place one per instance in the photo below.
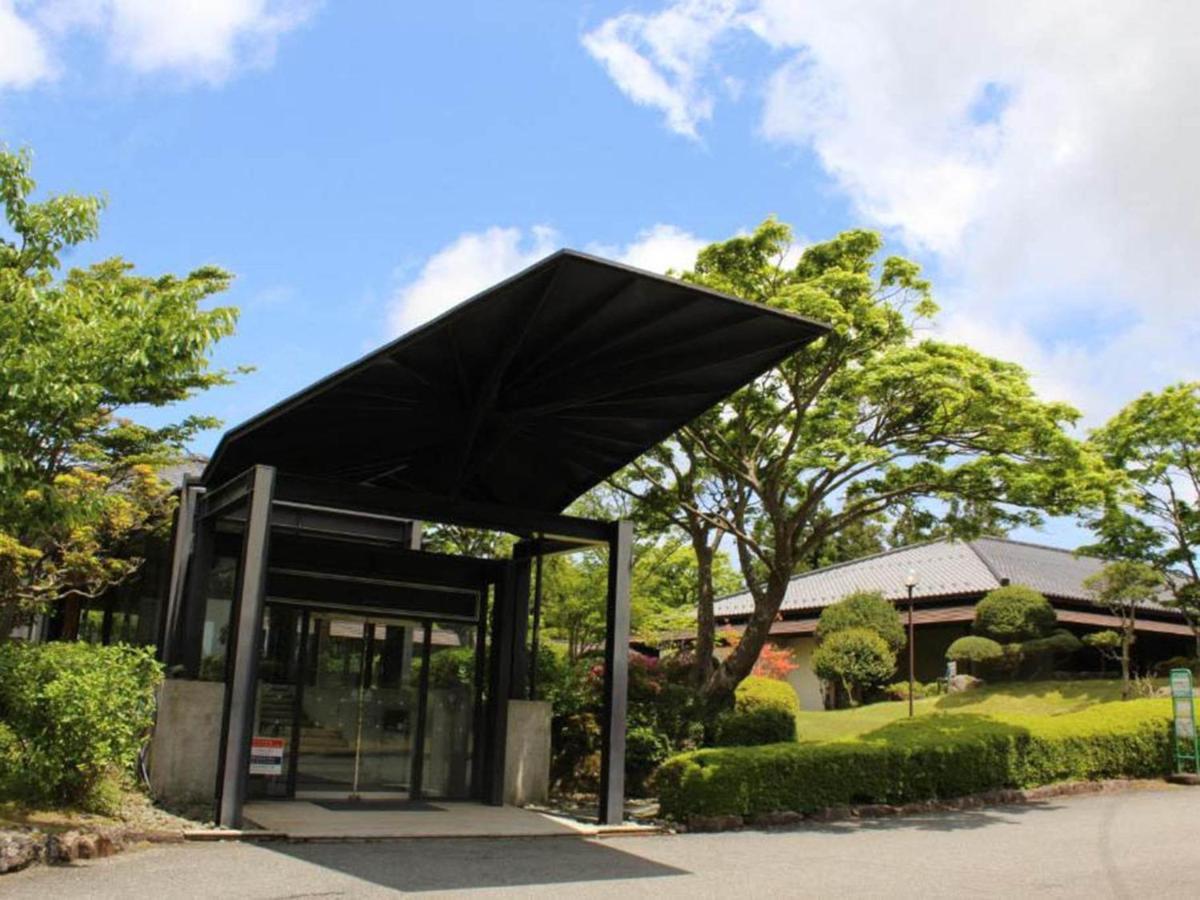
(303, 819)
(1125, 845)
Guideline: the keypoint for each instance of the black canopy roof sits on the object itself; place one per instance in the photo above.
(527, 394)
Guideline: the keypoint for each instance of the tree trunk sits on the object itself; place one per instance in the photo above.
(702, 666)
(738, 664)
(1126, 641)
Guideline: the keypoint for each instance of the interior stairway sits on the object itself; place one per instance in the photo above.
(276, 712)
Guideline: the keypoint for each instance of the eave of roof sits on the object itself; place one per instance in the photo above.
(527, 394)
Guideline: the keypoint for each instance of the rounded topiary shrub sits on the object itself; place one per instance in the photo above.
(863, 609)
(756, 692)
(974, 649)
(77, 714)
(1014, 613)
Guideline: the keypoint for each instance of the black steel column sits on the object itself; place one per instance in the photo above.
(522, 570)
(245, 622)
(189, 626)
(534, 645)
(417, 775)
(616, 675)
(499, 683)
(167, 628)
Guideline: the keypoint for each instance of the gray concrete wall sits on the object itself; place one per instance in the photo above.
(187, 736)
(527, 753)
(804, 680)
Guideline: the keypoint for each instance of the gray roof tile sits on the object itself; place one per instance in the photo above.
(944, 568)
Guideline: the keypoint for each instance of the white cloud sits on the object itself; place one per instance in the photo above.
(1043, 153)
(478, 259)
(472, 262)
(197, 40)
(24, 60)
(658, 249)
(659, 60)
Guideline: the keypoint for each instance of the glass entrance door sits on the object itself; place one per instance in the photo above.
(359, 706)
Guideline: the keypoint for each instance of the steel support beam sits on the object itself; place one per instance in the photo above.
(181, 549)
(241, 667)
(616, 675)
(500, 683)
(336, 495)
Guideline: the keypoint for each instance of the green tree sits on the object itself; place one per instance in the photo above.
(1153, 513)
(1124, 587)
(1107, 643)
(1014, 613)
(857, 659)
(662, 586)
(865, 420)
(863, 609)
(77, 482)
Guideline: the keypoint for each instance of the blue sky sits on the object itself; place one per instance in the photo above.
(359, 166)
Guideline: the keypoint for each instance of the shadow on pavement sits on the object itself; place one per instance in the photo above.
(949, 821)
(440, 865)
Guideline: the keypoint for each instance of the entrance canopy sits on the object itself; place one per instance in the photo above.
(529, 393)
(496, 416)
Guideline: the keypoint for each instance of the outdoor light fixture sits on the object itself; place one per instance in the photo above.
(910, 582)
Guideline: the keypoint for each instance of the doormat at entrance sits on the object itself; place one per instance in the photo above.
(377, 806)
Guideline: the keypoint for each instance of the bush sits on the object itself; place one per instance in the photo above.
(931, 757)
(755, 725)
(1014, 613)
(78, 713)
(755, 692)
(857, 659)
(864, 609)
(1057, 644)
(1164, 667)
(451, 668)
(645, 749)
(899, 690)
(974, 649)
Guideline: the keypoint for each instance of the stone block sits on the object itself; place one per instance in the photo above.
(527, 753)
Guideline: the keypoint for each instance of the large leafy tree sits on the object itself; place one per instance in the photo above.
(1124, 587)
(78, 489)
(868, 419)
(662, 584)
(1153, 514)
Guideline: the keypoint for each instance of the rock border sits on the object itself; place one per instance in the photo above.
(20, 849)
(1004, 797)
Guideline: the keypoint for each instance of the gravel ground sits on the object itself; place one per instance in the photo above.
(1126, 844)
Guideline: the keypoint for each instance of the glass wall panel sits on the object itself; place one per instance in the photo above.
(275, 707)
(214, 641)
(450, 712)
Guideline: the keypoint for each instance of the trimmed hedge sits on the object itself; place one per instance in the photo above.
(937, 756)
(754, 726)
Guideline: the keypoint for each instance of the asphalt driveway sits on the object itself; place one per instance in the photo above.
(1126, 844)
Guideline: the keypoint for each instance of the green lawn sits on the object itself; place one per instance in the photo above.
(1033, 698)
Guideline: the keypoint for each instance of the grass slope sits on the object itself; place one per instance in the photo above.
(1007, 736)
(1019, 699)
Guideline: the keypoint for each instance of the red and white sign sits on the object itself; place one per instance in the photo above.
(266, 755)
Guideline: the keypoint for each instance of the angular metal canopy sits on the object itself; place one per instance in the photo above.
(529, 393)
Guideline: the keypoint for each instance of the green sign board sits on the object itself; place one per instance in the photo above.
(1186, 755)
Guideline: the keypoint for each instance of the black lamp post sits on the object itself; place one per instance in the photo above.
(910, 582)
